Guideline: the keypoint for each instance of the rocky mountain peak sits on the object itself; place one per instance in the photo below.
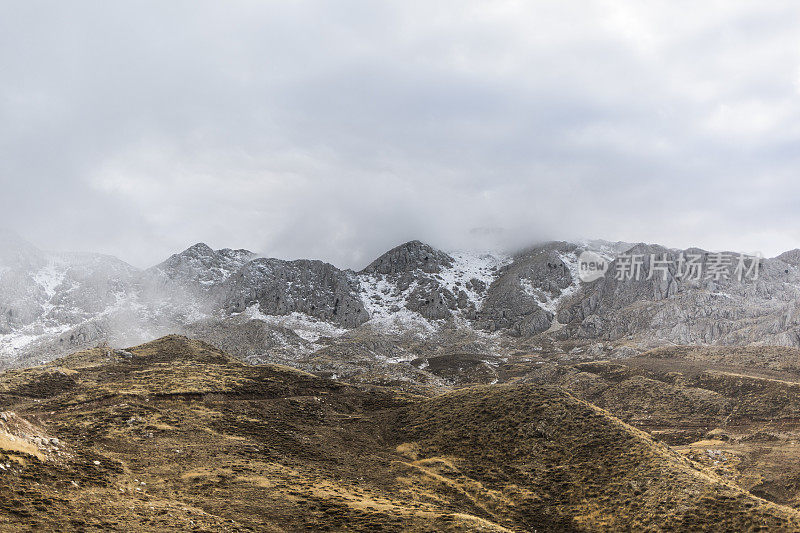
(646, 249)
(202, 264)
(199, 249)
(408, 257)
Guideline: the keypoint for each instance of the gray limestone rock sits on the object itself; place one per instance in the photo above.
(281, 287)
(413, 255)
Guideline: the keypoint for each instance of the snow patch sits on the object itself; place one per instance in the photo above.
(404, 321)
(723, 294)
(50, 277)
(304, 326)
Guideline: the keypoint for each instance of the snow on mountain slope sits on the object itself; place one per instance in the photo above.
(458, 282)
(50, 277)
(306, 327)
(550, 302)
(470, 266)
(52, 303)
(387, 305)
(43, 295)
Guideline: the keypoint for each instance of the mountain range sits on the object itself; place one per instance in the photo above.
(398, 316)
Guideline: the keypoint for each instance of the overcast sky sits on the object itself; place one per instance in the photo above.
(337, 129)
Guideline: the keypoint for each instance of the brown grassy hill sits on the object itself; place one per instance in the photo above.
(175, 435)
(563, 461)
(734, 409)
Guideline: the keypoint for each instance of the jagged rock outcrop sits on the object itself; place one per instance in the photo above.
(280, 287)
(433, 301)
(412, 274)
(526, 293)
(672, 306)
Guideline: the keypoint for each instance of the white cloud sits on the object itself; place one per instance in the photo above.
(337, 130)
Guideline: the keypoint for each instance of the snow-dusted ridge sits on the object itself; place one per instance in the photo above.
(75, 300)
(84, 298)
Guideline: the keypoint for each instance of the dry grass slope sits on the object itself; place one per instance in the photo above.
(174, 435)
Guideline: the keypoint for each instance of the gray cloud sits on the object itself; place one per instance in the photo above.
(336, 130)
